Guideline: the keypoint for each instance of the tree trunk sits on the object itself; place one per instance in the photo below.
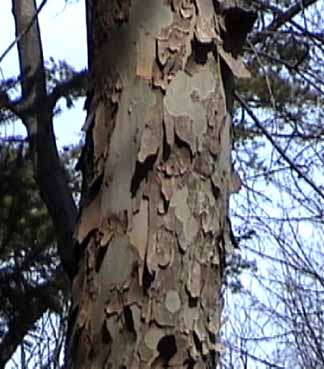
(157, 172)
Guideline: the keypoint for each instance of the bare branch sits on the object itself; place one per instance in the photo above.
(30, 307)
(6, 103)
(76, 83)
(280, 19)
(23, 32)
(277, 147)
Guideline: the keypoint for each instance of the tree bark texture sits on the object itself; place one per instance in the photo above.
(152, 231)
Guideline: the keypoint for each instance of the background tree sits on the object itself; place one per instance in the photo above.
(34, 289)
(32, 282)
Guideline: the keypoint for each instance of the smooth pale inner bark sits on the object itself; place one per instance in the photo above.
(153, 228)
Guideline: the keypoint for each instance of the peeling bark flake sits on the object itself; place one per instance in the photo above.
(172, 301)
(153, 228)
(139, 230)
(205, 27)
(90, 218)
(235, 64)
(119, 262)
(149, 144)
(145, 56)
(194, 280)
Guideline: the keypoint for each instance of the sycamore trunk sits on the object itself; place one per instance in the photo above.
(153, 231)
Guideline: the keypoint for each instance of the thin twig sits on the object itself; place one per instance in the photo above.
(277, 147)
(18, 38)
(282, 17)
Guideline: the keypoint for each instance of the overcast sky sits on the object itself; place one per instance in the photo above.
(64, 38)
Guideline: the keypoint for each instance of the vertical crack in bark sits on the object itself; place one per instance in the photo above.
(141, 173)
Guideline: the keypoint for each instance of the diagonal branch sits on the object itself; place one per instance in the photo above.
(277, 147)
(75, 86)
(24, 31)
(281, 18)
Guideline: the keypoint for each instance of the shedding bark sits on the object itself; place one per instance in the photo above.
(153, 231)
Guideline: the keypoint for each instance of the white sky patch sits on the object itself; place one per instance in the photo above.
(63, 32)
